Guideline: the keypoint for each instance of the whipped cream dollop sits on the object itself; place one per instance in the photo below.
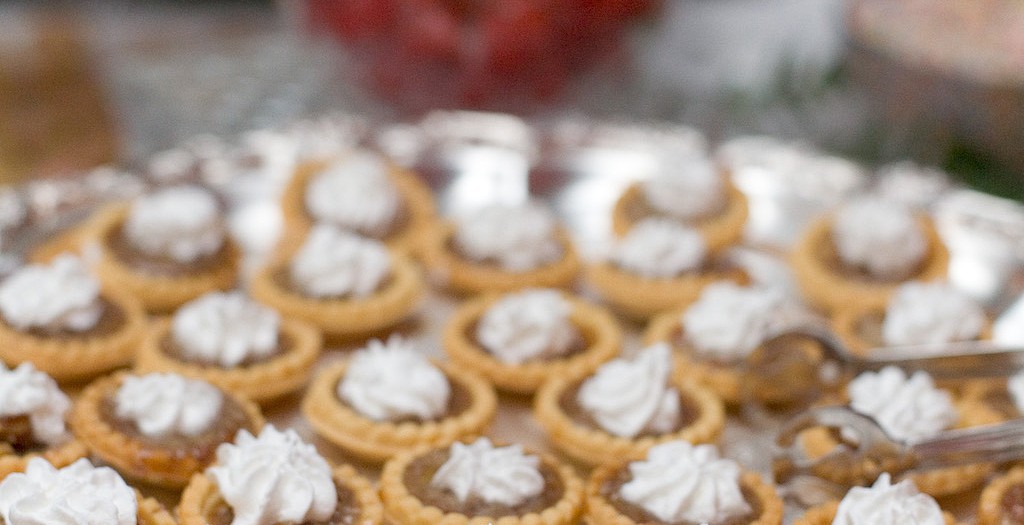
(62, 295)
(880, 236)
(532, 324)
(25, 391)
(274, 478)
(356, 193)
(390, 381)
(680, 482)
(688, 187)
(78, 494)
(660, 249)
(1015, 387)
(225, 328)
(883, 502)
(504, 475)
(908, 409)
(729, 321)
(927, 313)
(181, 222)
(337, 263)
(517, 237)
(168, 404)
(627, 396)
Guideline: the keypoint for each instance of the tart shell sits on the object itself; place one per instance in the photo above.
(824, 514)
(59, 456)
(78, 358)
(201, 496)
(124, 452)
(990, 503)
(602, 512)
(846, 319)
(376, 441)
(403, 508)
(593, 446)
(598, 328)
(261, 382)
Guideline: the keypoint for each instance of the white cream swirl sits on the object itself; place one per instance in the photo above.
(60, 296)
(528, 325)
(168, 404)
(181, 222)
(518, 238)
(503, 475)
(908, 409)
(689, 187)
(880, 236)
(78, 494)
(390, 381)
(883, 502)
(24, 391)
(660, 249)
(355, 193)
(337, 263)
(627, 396)
(274, 478)
(225, 328)
(729, 321)
(931, 313)
(680, 482)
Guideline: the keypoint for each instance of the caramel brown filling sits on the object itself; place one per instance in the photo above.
(231, 418)
(111, 320)
(172, 349)
(16, 436)
(124, 251)
(611, 491)
(421, 470)
(568, 402)
(1012, 503)
(346, 513)
(459, 400)
(828, 255)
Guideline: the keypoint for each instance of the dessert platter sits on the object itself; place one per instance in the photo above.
(477, 319)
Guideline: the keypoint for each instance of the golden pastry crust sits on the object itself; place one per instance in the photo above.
(817, 442)
(640, 297)
(158, 293)
(76, 358)
(403, 508)
(824, 514)
(847, 319)
(597, 327)
(201, 497)
(340, 319)
(990, 503)
(151, 512)
(417, 202)
(602, 512)
(469, 277)
(128, 454)
(376, 441)
(826, 290)
(593, 446)
(59, 456)
(262, 382)
(719, 230)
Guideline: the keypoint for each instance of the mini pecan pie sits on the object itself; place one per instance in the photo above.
(884, 245)
(387, 399)
(657, 266)
(296, 486)
(626, 407)
(1002, 500)
(235, 343)
(166, 248)
(32, 421)
(363, 192)
(691, 191)
(501, 248)
(883, 502)
(478, 482)
(678, 483)
(58, 318)
(343, 284)
(159, 428)
(492, 336)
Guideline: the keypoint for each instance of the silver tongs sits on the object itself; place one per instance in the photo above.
(865, 451)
